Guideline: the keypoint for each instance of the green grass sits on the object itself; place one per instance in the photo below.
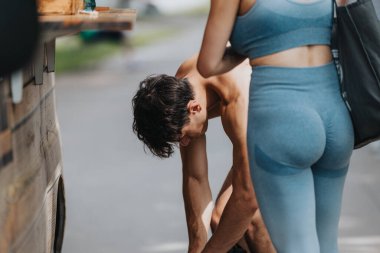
(73, 54)
(147, 38)
(199, 11)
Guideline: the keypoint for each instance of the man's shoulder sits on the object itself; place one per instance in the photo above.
(187, 66)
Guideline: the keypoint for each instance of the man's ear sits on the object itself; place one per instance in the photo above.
(194, 106)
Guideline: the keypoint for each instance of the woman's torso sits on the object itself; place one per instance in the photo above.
(292, 33)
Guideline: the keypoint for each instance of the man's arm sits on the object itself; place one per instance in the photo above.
(242, 205)
(220, 203)
(238, 212)
(196, 193)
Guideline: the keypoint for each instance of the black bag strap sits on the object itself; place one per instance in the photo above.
(334, 40)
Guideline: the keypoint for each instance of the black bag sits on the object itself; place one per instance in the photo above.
(357, 37)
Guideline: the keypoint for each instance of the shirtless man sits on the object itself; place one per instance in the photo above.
(170, 110)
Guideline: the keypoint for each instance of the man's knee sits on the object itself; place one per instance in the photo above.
(215, 218)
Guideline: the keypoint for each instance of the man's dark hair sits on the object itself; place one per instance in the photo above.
(160, 112)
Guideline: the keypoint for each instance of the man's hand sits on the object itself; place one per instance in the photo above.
(237, 249)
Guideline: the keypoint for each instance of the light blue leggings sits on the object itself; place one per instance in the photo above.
(300, 140)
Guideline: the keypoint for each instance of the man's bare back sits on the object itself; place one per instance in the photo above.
(224, 89)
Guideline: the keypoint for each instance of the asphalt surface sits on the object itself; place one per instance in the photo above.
(123, 200)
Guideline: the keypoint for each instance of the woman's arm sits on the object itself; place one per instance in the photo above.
(214, 57)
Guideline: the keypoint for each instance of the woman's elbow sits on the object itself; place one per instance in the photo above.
(206, 69)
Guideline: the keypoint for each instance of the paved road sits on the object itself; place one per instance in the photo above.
(121, 200)
(360, 223)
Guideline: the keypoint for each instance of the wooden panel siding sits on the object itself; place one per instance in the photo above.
(29, 181)
(6, 155)
(32, 199)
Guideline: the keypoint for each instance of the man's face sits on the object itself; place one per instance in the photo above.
(197, 125)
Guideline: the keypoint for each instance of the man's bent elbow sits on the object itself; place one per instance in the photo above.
(215, 218)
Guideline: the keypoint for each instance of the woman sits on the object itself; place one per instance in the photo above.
(300, 136)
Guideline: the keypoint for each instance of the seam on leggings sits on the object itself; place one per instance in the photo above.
(270, 165)
(331, 173)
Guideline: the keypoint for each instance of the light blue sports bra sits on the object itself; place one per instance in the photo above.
(272, 26)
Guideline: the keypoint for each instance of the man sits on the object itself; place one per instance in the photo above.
(170, 110)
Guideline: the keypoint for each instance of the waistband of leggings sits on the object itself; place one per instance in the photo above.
(290, 74)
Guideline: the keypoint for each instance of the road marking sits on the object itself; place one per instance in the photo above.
(369, 244)
(369, 240)
(167, 247)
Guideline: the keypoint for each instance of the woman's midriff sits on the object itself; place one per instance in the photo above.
(305, 56)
